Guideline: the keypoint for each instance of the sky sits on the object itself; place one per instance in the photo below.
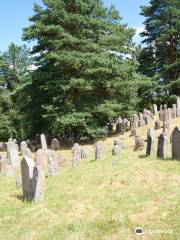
(14, 16)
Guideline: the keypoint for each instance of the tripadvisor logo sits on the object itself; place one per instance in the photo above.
(139, 231)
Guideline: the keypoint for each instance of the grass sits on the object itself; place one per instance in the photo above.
(99, 201)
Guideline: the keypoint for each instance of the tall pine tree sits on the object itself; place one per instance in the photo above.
(85, 72)
(161, 55)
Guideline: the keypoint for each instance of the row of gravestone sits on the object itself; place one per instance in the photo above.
(163, 141)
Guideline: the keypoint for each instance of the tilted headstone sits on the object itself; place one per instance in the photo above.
(98, 150)
(27, 170)
(157, 125)
(162, 149)
(176, 143)
(53, 166)
(55, 144)
(139, 143)
(76, 150)
(84, 153)
(13, 154)
(150, 142)
(43, 141)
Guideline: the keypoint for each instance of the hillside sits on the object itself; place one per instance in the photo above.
(99, 201)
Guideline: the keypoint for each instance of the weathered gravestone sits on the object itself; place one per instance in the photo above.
(38, 181)
(115, 152)
(176, 143)
(134, 132)
(134, 121)
(76, 150)
(162, 149)
(139, 143)
(84, 153)
(13, 154)
(161, 115)
(55, 144)
(118, 142)
(23, 147)
(53, 165)
(150, 142)
(157, 125)
(125, 124)
(43, 141)
(142, 122)
(166, 127)
(27, 170)
(98, 150)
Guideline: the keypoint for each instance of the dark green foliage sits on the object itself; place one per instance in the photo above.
(160, 57)
(84, 78)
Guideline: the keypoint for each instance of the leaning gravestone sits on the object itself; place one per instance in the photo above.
(13, 154)
(162, 146)
(27, 170)
(76, 150)
(53, 166)
(43, 141)
(98, 150)
(55, 144)
(150, 142)
(176, 143)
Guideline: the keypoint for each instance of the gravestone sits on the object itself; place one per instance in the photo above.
(150, 142)
(134, 121)
(13, 154)
(161, 115)
(28, 153)
(3, 164)
(55, 144)
(178, 112)
(166, 127)
(38, 183)
(115, 152)
(27, 169)
(141, 120)
(139, 143)
(178, 102)
(2, 147)
(134, 132)
(84, 153)
(76, 150)
(155, 109)
(23, 147)
(169, 113)
(174, 111)
(110, 128)
(125, 124)
(98, 150)
(176, 143)
(157, 125)
(53, 166)
(162, 149)
(43, 141)
(118, 142)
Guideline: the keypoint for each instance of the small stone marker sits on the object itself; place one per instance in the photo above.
(157, 125)
(139, 143)
(84, 153)
(76, 150)
(162, 146)
(176, 143)
(155, 109)
(55, 144)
